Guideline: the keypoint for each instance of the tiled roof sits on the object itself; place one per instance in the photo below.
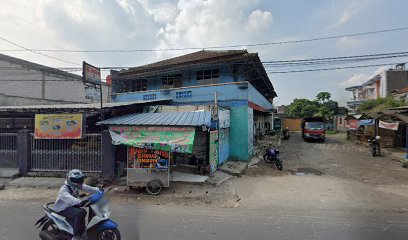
(198, 118)
(203, 56)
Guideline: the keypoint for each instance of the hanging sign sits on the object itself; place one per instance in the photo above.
(58, 126)
(390, 126)
(91, 74)
(174, 139)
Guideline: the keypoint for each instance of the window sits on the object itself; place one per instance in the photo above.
(138, 85)
(149, 97)
(208, 76)
(172, 81)
(185, 94)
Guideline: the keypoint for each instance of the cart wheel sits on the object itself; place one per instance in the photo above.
(154, 187)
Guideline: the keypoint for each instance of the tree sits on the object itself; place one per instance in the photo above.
(322, 106)
(377, 105)
(323, 97)
(301, 108)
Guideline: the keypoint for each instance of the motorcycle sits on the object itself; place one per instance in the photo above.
(100, 227)
(286, 134)
(374, 145)
(271, 156)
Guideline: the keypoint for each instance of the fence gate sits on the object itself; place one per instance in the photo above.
(54, 155)
(8, 150)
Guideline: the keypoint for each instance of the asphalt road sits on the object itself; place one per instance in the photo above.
(174, 222)
(352, 196)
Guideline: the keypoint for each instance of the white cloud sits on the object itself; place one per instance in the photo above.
(360, 78)
(214, 22)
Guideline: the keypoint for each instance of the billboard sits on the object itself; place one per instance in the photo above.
(91, 74)
(58, 126)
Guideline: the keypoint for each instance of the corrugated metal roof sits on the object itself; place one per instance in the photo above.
(198, 118)
(78, 106)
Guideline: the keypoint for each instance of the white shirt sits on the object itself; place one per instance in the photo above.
(68, 196)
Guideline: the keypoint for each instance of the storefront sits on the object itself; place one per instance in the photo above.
(165, 147)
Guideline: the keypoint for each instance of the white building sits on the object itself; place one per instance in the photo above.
(27, 83)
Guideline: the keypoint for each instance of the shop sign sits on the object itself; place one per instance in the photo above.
(147, 158)
(390, 126)
(366, 122)
(58, 126)
(91, 74)
(173, 139)
(92, 92)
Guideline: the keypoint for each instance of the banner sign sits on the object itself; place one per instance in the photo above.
(91, 73)
(390, 126)
(173, 139)
(147, 158)
(58, 126)
(91, 92)
(366, 122)
(352, 124)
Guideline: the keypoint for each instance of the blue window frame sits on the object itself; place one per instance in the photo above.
(150, 97)
(185, 94)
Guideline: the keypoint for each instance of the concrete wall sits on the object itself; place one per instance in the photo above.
(224, 144)
(396, 79)
(294, 124)
(257, 98)
(39, 87)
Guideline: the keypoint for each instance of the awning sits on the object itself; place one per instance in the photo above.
(174, 131)
(174, 139)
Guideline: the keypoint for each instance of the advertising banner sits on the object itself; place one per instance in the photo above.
(58, 126)
(352, 124)
(147, 158)
(213, 150)
(366, 122)
(173, 139)
(387, 125)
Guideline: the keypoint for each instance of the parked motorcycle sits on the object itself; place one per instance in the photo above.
(271, 156)
(100, 227)
(374, 145)
(285, 133)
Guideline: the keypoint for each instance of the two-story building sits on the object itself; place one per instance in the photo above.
(379, 86)
(235, 80)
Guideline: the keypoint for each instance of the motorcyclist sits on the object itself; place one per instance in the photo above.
(68, 203)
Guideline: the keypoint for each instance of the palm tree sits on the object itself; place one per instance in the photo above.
(323, 96)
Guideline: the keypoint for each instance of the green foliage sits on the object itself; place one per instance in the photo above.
(323, 96)
(379, 104)
(321, 107)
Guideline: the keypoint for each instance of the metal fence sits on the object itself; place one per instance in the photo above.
(52, 155)
(8, 150)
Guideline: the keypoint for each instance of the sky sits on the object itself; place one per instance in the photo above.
(154, 24)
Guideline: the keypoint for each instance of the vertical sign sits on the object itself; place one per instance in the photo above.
(213, 151)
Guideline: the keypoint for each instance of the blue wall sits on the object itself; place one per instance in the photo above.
(224, 144)
(256, 97)
(239, 133)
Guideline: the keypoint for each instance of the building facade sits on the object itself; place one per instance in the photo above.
(380, 86)
(234, 80)
(28, 83)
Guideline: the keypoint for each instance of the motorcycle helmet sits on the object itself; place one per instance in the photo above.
(378, 137)
(75, 178)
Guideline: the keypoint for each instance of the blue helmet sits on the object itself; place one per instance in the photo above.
(75, 177)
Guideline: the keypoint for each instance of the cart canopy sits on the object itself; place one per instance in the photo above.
(163, 131)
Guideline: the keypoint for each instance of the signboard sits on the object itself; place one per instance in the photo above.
(277, 124)
(58, 126)
(366, 122)
(390, 126)
(147, 158)
(213, 150)
(352, 124)
(173, 139)
(91, 92)
(91, 73)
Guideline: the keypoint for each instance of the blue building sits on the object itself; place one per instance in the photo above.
(235, 79)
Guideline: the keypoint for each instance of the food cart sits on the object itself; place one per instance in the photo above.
(151, 145)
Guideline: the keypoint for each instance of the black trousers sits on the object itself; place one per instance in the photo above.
(76, 217)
